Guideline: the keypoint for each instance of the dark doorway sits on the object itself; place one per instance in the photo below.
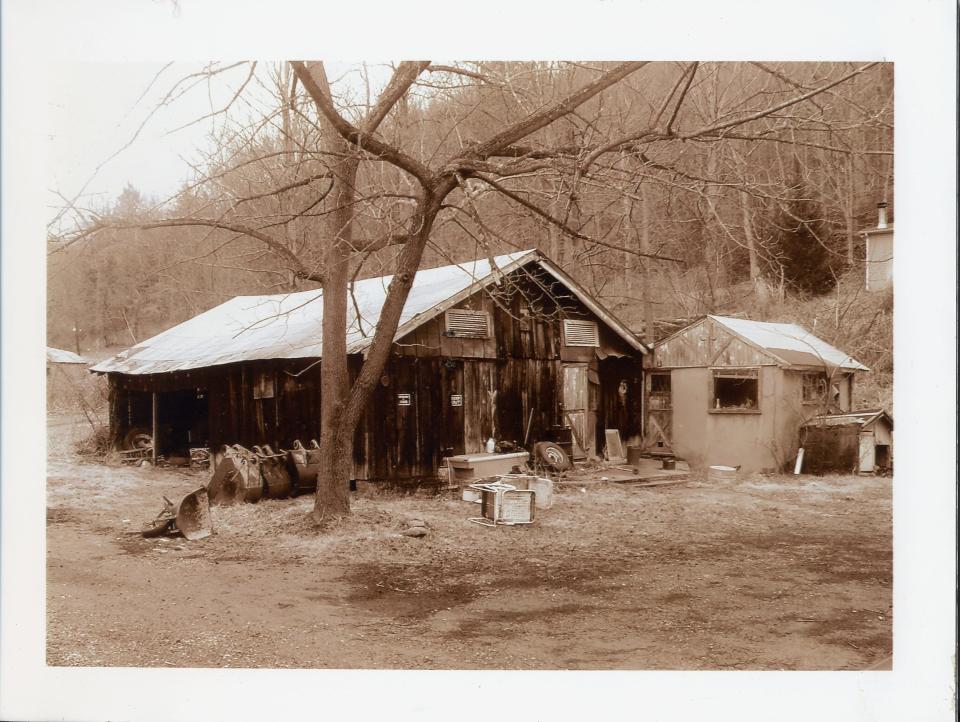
(183, 421)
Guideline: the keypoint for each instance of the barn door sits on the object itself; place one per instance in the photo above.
(658, 434)
(575, 405)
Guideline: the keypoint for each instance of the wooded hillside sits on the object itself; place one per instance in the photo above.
(683, 189)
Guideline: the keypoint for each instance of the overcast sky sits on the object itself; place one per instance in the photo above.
(95, 109)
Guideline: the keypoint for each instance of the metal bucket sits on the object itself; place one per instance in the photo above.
(633, 455)
(273, 469)
(305, 466)
(669, 464)
(236, 478)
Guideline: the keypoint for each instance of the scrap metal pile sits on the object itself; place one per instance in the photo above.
(239, 475)
(509, 499)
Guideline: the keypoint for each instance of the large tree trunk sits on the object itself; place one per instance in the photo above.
(336, 428)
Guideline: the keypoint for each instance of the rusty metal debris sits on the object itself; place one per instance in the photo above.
(190, 517)
(504, 504)
(273, 470)
(236, 477)
(242, 474)
(306, 467)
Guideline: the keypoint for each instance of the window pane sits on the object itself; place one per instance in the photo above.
(735, 393)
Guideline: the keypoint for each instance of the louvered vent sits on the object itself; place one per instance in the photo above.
(468, 324)
(580, 333)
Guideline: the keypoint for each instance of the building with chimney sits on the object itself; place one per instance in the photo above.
(879, 253)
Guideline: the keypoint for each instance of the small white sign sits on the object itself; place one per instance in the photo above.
(456, 399)
(403, 400)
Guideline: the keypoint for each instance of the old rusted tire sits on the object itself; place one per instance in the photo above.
(138, 438)
(552, 456)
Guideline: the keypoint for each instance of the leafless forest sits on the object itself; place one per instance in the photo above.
(698, 188)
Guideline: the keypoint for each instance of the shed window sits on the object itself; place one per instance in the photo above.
(735, 390)
(467, 324)
(814, 388)
(577, 332)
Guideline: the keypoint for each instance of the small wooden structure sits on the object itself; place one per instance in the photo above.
(510, 352)
(733, 392)
(855, 442)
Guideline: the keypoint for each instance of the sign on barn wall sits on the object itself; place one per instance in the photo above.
(404, 400)
(456, 399)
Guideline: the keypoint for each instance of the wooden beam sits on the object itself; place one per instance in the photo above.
(153, 428)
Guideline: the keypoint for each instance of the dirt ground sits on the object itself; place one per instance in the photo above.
(762, 573)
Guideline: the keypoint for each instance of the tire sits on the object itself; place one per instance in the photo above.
(552, 456)
(137, 438)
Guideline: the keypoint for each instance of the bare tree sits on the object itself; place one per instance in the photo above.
(497, 153)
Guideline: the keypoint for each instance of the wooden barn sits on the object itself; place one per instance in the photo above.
(733, 392)
(515, 352)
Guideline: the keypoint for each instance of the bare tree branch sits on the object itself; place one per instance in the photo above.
(366, 141)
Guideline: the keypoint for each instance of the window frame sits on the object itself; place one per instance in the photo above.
(745, 372)
(824, 384)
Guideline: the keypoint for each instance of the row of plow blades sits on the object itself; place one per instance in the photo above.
(239, 475)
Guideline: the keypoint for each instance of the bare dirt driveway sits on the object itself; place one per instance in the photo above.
(763, 573)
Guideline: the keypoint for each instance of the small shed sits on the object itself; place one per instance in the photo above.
(515, 350)
(854, 442)
(734, 392)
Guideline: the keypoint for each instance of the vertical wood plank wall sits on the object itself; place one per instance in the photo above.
(504, 381)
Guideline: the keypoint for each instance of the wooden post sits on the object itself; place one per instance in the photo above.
(153, 428)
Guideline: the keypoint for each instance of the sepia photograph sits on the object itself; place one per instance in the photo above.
(478, 366)
(508, 354)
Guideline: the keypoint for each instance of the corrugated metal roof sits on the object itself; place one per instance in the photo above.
(793, 345)
(288, 326)
(860, 418)
(59, 356)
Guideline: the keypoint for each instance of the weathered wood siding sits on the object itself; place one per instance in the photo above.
(707, 344)
(503, 384)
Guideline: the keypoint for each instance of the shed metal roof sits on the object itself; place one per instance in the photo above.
(288, 326)
(790, 343)
(59, 356)
(860, 418)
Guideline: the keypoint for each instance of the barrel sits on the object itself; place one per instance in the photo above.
(633, 455)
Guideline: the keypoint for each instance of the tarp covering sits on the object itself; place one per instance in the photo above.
(792, 344)
(288, 326)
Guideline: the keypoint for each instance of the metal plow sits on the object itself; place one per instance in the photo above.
(190, 517)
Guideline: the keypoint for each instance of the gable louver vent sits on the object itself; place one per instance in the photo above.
(468, 324)
(580, 333)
